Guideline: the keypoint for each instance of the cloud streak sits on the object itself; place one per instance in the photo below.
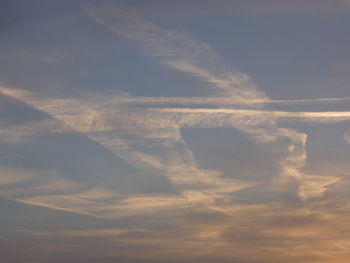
(223, 178)
(192, 56)
(98, 118)
(177, 50)
(150, 138)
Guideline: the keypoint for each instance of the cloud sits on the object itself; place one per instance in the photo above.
(191, 56)
(21, 132)
(201, 234)
(13, 176)
(205, 219)
(325, 116)
(150, 138)
(25, 183)
(314, 186)
(100, 125)
(157, 144)
(208, 101)
(177, 50)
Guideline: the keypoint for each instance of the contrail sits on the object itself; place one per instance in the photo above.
(215, 101)
(270, 113)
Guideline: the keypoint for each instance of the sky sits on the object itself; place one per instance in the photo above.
(185, 131)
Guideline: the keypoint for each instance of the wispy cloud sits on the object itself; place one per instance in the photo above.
(24, 183)
(243, 181)
(12, 176)
(160, 126)
(203, 234)
(189, 55)
(178, 50)
(150, 138)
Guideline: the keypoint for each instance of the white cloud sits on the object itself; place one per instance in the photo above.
(150, 138)
(178, 50)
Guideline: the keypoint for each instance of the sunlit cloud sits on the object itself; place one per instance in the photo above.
(178, 50)
(225, 204)
(98, 122)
